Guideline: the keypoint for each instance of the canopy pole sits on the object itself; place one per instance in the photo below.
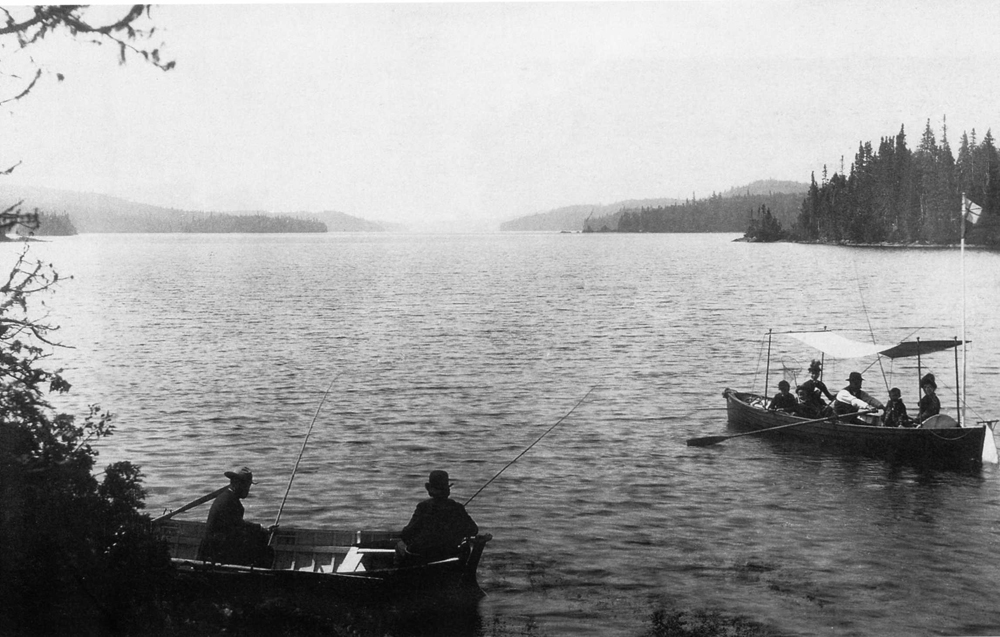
(920, 371)
(958, 395)
(767, 372)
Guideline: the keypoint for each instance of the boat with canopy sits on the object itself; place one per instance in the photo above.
(939, 440)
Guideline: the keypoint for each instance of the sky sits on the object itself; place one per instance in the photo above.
(457, 116)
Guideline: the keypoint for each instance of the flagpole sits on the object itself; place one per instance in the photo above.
(964, 353)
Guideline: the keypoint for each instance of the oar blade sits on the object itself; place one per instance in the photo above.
(706, 441)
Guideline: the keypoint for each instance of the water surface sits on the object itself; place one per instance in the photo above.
(459, 351)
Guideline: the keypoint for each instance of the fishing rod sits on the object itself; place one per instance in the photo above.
(580, 402)
(301, 451)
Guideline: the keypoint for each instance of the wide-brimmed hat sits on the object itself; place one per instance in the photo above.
(928, 380)
(854, 376)
(243, 475)
(438, 480)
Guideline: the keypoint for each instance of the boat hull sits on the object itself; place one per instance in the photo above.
(315, 567)
(955, 447)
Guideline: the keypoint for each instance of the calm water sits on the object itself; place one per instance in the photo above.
(459, 351)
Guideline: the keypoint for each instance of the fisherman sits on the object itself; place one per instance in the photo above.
(438, 526)
(895, 412)
(815, 388)
(930, 404)
(228, 538)
(852, 399)
(784, 400)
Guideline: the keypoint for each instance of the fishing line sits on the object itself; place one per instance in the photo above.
(857, 279)
(580, 402)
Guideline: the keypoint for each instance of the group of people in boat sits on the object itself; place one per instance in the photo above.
(436, 530)
(812, 399)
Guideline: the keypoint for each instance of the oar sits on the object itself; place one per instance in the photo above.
(190, 505)
(711, 440)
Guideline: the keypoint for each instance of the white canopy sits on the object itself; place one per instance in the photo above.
(836, 346)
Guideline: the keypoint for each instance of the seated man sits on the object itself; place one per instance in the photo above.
(438, 526)
(852, 399)
(228, 538)
(784, 400)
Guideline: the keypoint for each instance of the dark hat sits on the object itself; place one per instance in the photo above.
(815, 366)
(438, 480)
(783, 384)
(854, 376)
(243, 475)
(928, 379)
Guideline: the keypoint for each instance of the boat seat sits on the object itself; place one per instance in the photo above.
(352, 561)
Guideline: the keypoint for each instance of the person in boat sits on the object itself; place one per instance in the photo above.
(784, 400)
(806, 408)
(852, 399)
(438, 527)
(930, 404)
(229, 539)
(895, 411)
(816, 389)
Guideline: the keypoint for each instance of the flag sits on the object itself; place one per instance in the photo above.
(970, 210)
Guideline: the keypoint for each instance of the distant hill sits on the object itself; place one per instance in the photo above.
(96, 213)
(572, 218)
(768, 187)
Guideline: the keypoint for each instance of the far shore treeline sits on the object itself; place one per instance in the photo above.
(891, 195)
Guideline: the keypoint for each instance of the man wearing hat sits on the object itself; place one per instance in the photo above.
(438, 526)
(851, 399)
(228, 538)
(930, 404)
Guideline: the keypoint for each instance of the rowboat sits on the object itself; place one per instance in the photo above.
(945, 447)
(326, 565)
(938, 441)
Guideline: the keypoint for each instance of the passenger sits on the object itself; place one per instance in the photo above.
(784, 400)
(816, 389)
(438, 526)
(806, 408)
(852, 399)
(929, 405)
(895, 412)
(228, 538)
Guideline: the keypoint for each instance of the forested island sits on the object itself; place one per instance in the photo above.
(891, 195)
(717, 213)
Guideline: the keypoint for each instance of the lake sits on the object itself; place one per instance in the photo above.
(459, 351)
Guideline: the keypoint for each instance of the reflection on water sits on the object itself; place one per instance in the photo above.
(459, 351)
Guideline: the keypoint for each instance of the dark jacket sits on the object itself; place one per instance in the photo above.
(930, 405)
(785, 402)
(437, 527)
(895, 414)
(229, 539)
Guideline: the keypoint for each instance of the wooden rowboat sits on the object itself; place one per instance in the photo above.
(947, 447)
(327, 565)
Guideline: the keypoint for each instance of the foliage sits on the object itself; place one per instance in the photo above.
(25, 27)
(48, 225)
(715, 214)
(764, 228)
(74, 549)
(894, 194)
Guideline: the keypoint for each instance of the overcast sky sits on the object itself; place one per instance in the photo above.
(462, 115)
